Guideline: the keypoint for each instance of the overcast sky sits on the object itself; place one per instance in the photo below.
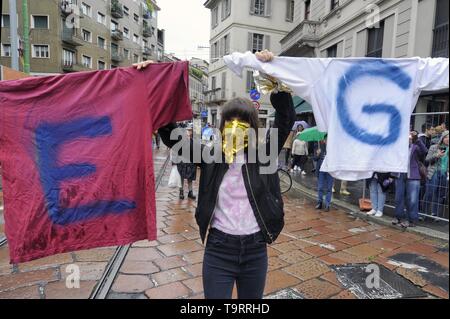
(187, 25)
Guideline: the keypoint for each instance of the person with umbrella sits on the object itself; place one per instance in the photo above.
(299, 152)
(324, 179)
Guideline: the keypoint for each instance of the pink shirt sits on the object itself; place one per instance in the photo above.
(233, 214)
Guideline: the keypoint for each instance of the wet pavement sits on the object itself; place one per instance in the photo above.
(356, 190)
(303, 262)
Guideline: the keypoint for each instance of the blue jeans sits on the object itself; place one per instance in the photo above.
(377, 196)
(407, 190)
(436, 192)
(233, 259)
(325, 182)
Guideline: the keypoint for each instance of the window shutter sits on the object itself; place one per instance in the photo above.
(288, 10)
(223, 13)
(229, 8)
(222, 47)
(267, 42)
(252, 7)
(224, 84)
(250, 41)
(268, 9)
(249, 80)
(227, 44)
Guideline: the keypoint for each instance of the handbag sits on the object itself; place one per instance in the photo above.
(423, 171)
(365, 204)
(174, 178)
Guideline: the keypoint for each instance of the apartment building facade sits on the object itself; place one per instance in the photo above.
(375, 28)
(244, 25)
(81, 35)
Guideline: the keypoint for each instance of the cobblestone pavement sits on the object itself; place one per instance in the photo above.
(300, 262)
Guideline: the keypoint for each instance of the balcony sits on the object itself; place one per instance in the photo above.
(147, 51)
(147, 31)
(306, 34)
(67, 8)
(214, 96)
(146, 14)
(69, 36)
(116, 9)
(73, 67)
(117, 57)
(117, 35)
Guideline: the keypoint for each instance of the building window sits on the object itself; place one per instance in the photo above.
(68, 57)
(135, 58)
(101, 18)
(126, 53)
(5, 21)
(136, 17)
(115, 48)
(226, 9)
(334, 4)
(101, 42)
(259, 7)
(250, 81)
(39, 22)
(41, 51)
(215, 17)
(86, 9)
(213, 83)
(6, 50)
(375, 41)
(257, 42)
(101, 65)
(135, 38)
(87, 35)
(114, 25)
(332, 51)
(126, 33)
(440, 32)
(307, 9)
(87, 61)
(290, 9)
(126, 10)
(226, 40)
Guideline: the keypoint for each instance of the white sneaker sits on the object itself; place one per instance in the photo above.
(303, 173)
(372, 212)
(378, 214)
(291, 170)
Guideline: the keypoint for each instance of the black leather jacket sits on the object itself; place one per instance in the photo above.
(263, 190)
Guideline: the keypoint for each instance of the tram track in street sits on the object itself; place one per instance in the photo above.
(105, 283)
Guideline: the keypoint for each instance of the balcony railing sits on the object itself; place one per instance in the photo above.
(69, 36)
(67, 8)
(117, 57)
(146, 31)
(116, 9)
(73, 67)
(307, 32)
(146, 14)
(440, 41)
(117, 35)
(147, 51)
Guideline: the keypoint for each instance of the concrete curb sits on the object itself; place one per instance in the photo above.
(384, 221)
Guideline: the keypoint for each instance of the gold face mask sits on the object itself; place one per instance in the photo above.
(235, 138)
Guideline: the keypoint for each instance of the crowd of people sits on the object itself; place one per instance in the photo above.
(423, 189)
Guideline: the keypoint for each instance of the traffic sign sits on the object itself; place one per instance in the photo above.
(255, 95)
